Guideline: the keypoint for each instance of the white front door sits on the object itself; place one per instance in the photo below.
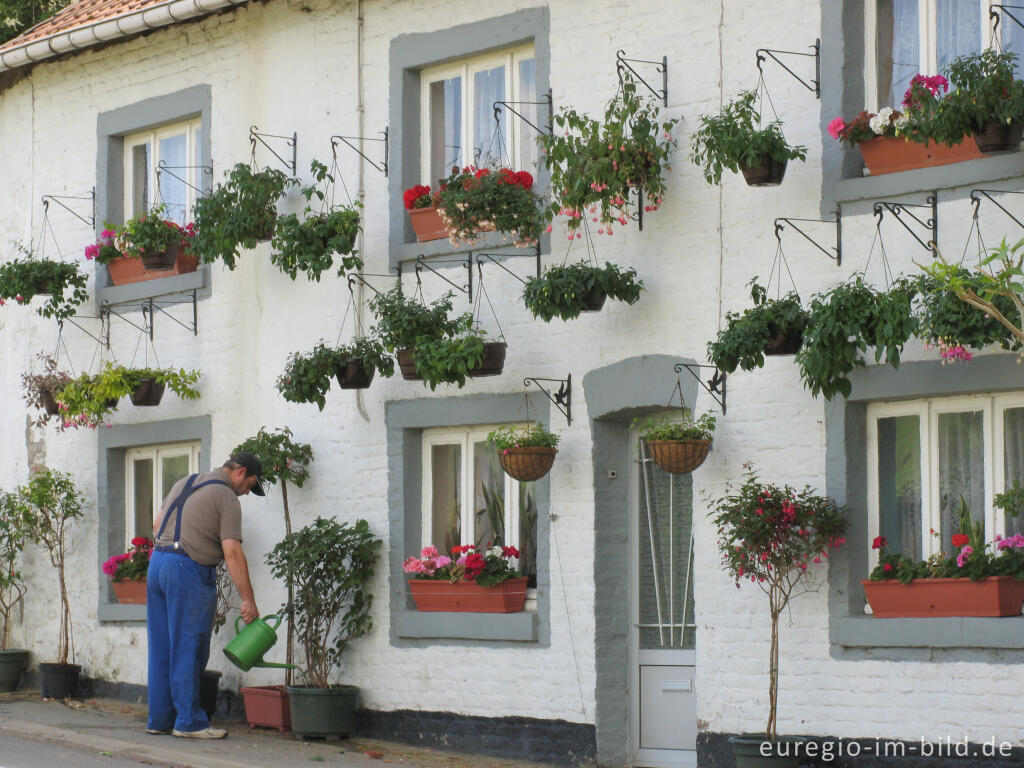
(663, 696)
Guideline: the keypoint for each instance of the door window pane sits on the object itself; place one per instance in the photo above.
(489, 136)
(445, 506)
(173, 192)
(958, 29)
(899, 484)
(488, 496)
(527, 543)
(142, 478)
(961, 469)
(1013, 460)
(527, 135)
(445, 127)
(899, 49)
(172, 469)
(139, 179)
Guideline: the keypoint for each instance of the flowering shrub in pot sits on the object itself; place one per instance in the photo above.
(566, 291)
(526, 453)
(470, 581)
(595, 166)
(127, 571)
(473, 201)
(678, 446)
(775, 537)
(770, 327)
(27, 276)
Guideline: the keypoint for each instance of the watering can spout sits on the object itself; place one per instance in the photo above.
(252, 641)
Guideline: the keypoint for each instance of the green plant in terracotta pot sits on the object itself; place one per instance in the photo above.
(526, 453)
(332, 563)
(777, 538)
(770, 327)
(678, 445)
(153, 239)
(239, 213)
(566, 291)
(28, 275)
(13, 533)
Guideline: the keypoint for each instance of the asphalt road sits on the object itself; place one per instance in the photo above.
(17, 752)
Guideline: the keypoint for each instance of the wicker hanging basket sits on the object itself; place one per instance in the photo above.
(679, 456)
(527, 464)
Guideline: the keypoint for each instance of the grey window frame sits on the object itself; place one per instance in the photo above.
(112, 127)
(113, 443)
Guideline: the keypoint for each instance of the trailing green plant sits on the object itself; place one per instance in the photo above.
(562, 290)
(946, 321)
(529, 436)
(310, 245)
(332, 564)
(35, 384)
(734, 137)
(403, 321)
(669, 428)
(448, 360)
(745, 337)
(473, 201)
(595, 166)
(307, 377)
(239, 213)
(370, 351)
(984, 89)
(14, 531)
(27, 276)
(150, 233)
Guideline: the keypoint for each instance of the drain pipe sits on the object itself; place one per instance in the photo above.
(360, 176)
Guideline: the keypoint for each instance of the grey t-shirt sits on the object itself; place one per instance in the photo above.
(210, 515)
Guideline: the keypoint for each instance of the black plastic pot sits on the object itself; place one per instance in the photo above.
(352, 375)
(148, 392)
(209, 681)
(12, 664)
(785, 752)
(783, 343)
(998, 137)
(49, 401)
(323, 713)
(161, 261)
(767, 172)
(58, 681)
(494, 360)
(593, 300)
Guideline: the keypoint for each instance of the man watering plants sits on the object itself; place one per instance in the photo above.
(199, 525)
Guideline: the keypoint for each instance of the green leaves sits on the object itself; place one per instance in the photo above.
(532, 435)
(448, 360)
(307, 377)
(62, 282)
(403, 322)
(563, 291)
(743, 341)
(665, 428)
(283, 458)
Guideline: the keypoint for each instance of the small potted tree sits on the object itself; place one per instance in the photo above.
(775, 537)
(734, 140)
(526, 453)
(332, 564)
(678, 446)
(477, 200)
(127, 572)
(13, 532)
(770, 327)
(27, 276)
(41, 389)
(240, 213)
(566, 291)
(50, 504)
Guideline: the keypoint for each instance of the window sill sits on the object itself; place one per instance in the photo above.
(150, 289)
(985, 171)
(118, 612)
(407, 252)
(517, 627)
(869, 632)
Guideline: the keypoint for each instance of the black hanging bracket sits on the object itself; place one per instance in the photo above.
(91, 197)
(360, 277)
(149, 310)
(661, 67)
(548, 128)
(421, 264)
(815, 85)
(932, 224)
(994, 15)
(207, 170)
(103, 339)
(383, 168)
(562, 399)
(837, 253)
(290, 141)
(715, 386)
(977, 194)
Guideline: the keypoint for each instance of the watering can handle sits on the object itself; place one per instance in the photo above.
(273, 616)
(238, 629)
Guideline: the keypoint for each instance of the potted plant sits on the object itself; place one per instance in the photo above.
(774, 536)
(734, 140)
(678, 446)
(147, 247)
(27, 276)
(423, 214)
(468, 582)
(464, 352)
(309, 245)
(770, 327)
(41, 389)
(287, 461)
(526, 453)
(209, 679)
(240, 213)
(127, 572)
(357, 361)
(596, 166)
(403, 322)
(307, 377)
(332, 564)
(977, 579)
(987, 101)
(50, 504)
(566, 291)
(13, 532)
(477, 200)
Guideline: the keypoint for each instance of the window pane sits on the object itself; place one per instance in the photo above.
(1012, 35)
(488, 496)
(489, 137)
(899, 50)
(1013, 459)
(445, 508)
(899, 484)
(140, 180)
(958, 29)
(527, 543)
(528, 136)
(445, 128)
(197, 176)
(172, 469)
(961, 469)
(172, 189)
(142, 476)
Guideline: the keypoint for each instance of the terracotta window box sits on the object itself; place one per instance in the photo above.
(427, 224)
(130, 591)
(468, 597)
(893, 154)
(930, 598)
(128, 269)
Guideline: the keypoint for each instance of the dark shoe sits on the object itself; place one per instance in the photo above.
(155, 732)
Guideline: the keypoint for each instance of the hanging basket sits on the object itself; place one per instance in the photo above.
(494, 360)
(352, 375)
(593, 300)
(783, 343)
(679, 456)
(766, 173)
(49, 400)
(407, 364)
(527, 464)
(148, 392)
(161, 261)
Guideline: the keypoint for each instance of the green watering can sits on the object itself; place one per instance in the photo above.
(251, 642)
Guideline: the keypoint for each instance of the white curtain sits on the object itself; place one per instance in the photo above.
(958, 29)
(490, 137)
(1013, 459)
(961, 470)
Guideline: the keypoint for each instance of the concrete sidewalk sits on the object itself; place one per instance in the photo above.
(116, 728)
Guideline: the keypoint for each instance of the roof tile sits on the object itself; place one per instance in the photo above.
(79, 14)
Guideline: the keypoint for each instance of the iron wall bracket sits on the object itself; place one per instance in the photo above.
(149, 308)
(290, 141)
(383, 168)
(548, 129)
(977, 194)
(562, 399)
(421, 264)
(994, 15)
(103, 339)
(207, 170)
(932, 224)
(661, 67)
(815, 85)
(715, 386)
(360, 277)
(91, 197)
(836, 255)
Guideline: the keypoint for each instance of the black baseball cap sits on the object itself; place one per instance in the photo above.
(253, 468)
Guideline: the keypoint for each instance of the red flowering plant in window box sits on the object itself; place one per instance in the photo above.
(775, 537)
(468, 581)
(477, 200)
(127, 571)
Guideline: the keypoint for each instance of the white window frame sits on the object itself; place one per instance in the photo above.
(928, 410)
(191, 128)
(465, 68)
(465, 437)
(155, 453)
(927, 44)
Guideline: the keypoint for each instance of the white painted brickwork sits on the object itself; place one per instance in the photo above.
(287, 66)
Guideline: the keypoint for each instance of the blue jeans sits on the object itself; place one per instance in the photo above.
(181, 597)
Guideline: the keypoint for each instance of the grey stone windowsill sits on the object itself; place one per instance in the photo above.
(118, 612)
(871, 632)
(178, 286)
(491, 243)
(516, 627)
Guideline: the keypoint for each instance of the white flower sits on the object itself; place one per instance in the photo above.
(496, 551)
(901, 123)
(880, 121)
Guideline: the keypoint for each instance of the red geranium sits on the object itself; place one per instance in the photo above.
(960, 539)
(417, 196)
